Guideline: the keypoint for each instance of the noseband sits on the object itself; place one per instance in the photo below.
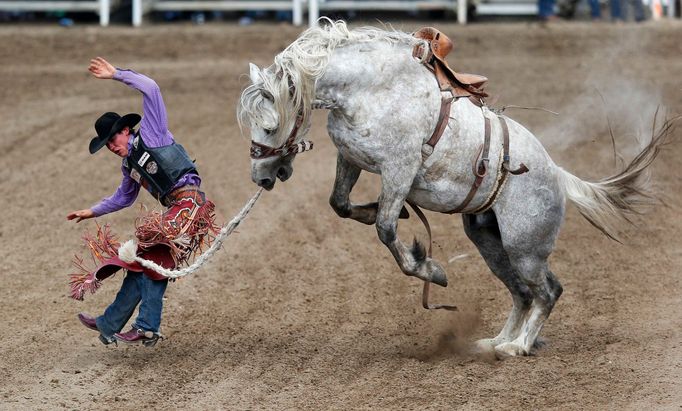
(260, 151)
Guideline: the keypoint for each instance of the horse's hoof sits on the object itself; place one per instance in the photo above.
(365, 213)
(436, 273)
(509, 349)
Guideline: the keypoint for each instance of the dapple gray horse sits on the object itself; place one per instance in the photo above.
(383, 105)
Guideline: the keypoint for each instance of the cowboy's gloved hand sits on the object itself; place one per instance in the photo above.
(80, 215)
(101, 68)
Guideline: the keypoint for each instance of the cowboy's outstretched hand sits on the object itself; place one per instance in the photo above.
(101, 68)
(80, 215)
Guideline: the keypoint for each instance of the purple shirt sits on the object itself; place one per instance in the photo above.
(154, 132)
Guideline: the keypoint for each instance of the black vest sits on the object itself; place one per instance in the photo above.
(157, 169)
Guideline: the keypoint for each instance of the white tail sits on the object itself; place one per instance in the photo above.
(609, 203)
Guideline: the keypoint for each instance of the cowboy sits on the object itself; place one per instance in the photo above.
(151, 159)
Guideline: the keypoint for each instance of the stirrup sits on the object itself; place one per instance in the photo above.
(107, 341)
(153, 338)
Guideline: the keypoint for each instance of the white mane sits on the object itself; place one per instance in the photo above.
(290, 82)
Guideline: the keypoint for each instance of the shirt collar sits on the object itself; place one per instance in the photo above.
(130, 142)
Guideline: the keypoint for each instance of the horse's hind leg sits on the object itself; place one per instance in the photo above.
(528, 237)
(483, 231)
(546, 291)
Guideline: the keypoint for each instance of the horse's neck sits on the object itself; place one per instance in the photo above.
(367, 69)
(384, 83)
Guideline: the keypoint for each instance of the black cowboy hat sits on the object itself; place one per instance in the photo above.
(109, 124)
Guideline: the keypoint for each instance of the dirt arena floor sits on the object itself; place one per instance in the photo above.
(304, 310)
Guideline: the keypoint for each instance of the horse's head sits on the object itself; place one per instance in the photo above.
(268, 108)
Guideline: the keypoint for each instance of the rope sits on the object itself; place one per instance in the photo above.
(501, 110)
(128, 250)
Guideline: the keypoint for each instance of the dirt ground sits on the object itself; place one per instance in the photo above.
(304, 310)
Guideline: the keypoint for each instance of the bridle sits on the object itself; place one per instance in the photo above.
(260, 151)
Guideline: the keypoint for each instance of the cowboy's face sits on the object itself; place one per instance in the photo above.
(118, 144)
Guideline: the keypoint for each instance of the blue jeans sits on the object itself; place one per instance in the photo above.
(545, 8)
(136, 288)
(595, 9)
(617, 10)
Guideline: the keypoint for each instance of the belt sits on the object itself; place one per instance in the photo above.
(176, 194)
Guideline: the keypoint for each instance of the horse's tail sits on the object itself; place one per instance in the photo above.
(611, 202)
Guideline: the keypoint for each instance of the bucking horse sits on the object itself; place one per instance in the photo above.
(398, 110)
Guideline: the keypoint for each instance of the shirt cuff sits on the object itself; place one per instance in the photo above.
(118, 74)
(97, 210)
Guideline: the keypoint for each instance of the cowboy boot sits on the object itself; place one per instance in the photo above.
(136, 335)
(88, 321)
(91, 323)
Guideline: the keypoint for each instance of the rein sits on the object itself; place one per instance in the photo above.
(427, 285)
(260, 151)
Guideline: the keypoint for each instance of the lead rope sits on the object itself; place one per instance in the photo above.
(427, 284)
(128, 251)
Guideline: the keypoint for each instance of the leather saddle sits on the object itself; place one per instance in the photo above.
(460, 84)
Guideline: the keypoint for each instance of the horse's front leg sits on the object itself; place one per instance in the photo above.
(413, 261)
(346, 176)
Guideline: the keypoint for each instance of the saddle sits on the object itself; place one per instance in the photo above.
(453, 86)
(459, 84)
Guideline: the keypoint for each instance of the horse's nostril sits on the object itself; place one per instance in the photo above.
(282, 174)
(266, 183)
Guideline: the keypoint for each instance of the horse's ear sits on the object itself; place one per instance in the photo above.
(254, 73)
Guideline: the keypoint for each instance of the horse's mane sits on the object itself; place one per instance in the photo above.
(291, 80)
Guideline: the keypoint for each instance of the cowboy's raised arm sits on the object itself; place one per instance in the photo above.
(154, 124)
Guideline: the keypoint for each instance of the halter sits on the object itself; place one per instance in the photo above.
(260, 151)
